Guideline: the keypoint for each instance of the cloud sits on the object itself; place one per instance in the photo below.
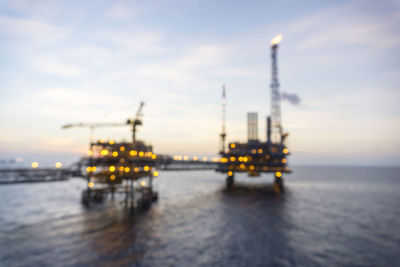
(51, 66)
(33, 29)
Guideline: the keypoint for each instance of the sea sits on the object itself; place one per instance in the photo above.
(328, 216)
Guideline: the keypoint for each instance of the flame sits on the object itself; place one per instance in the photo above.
(277, 39)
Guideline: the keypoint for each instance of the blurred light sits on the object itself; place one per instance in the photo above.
(111, 168)
(195, 158)
(252, 167)
(146, 168)
(260, 151)
(143, 183)
(277, 39)
(90, 152)
(284, 160)
(245, 159)
(90, 184)
(115, 154)
(121, 168)
(242, 166)
(185, 158)
(136, 169)
(278, 174)
(254, 151)
(127, 169)
(285, 150)
(153, 156)
(155, 173)
(214, 159)
(93, 168)
(122, 148)
(133, 153)
(35, 164)
(104, 152)
(230, 173)
(205, 158)
(111, 142)
(224, 160)
(58, 165)
(141, 154)
(233, 145)
(112, 177)
(232, 158)
(88, 169)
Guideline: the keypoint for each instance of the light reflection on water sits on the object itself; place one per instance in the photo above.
(328, 216)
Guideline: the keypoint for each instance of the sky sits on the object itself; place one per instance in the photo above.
(94, 61)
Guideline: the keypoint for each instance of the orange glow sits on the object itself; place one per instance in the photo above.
(277, 39)
(284, 160)
(285, 150)
(260, 151)
(205, 158)
(112, 177)
(254, 151)
(245, 159)
(88, 169)
(90, 152)
(146, 168)
(242, 166)
(133, 153)
(195, 158)
(185, 158)
(155, 173)
(112, 168)
(154, 156)
(58, 165)
(115, 154)
(141, 154)
(143, 183)
(104, 152)
(278, 174)
(224, 160)
(233, 145)
(252, 167)
(232, 158)
(122, 148)
(90, 184)
(136, 169)
(93, 168)
(35, 164)
(230, 173)
(127, 169)
(111, 142)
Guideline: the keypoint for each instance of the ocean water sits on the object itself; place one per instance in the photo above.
(329, 216)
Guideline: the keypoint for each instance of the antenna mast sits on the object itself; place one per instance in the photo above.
(223, 133)
(276, 131)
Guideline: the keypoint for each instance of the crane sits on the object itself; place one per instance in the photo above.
(137, 120)
(91, 126)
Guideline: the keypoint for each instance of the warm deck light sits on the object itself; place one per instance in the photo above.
(153, 156)
(146, 168)
(88, 169)
(143, 183)
(277, 39)
(230, 173)
(93, 168)
(278, 174)
(260, 151)
(136, 169)
(127, 169)
(111, 142)
(58, 165)
(185, 158)
(141, 154)
(205, 158)
(104, 152)
(122, 148)
(242, 166)
(115, 154)
(90, 152)
(285, 150)
(252, 167)
(155, 173)
(112, 177)
(35, 164)
(90, 184)
(111, 168)
(224, 160)
(195, 158)
(233, 145)
(284, 161)
(232, 158)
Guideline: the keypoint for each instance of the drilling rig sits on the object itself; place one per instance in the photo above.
(255, 157)
(123, 167)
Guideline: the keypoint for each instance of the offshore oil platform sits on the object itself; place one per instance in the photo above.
(255, 157)
(126, 168)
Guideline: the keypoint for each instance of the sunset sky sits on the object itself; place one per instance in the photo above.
(94, 61)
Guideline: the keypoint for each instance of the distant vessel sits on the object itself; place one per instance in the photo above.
(256, 157)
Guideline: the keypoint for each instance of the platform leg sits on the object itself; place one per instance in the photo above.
(229, 181)
(279, 184)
